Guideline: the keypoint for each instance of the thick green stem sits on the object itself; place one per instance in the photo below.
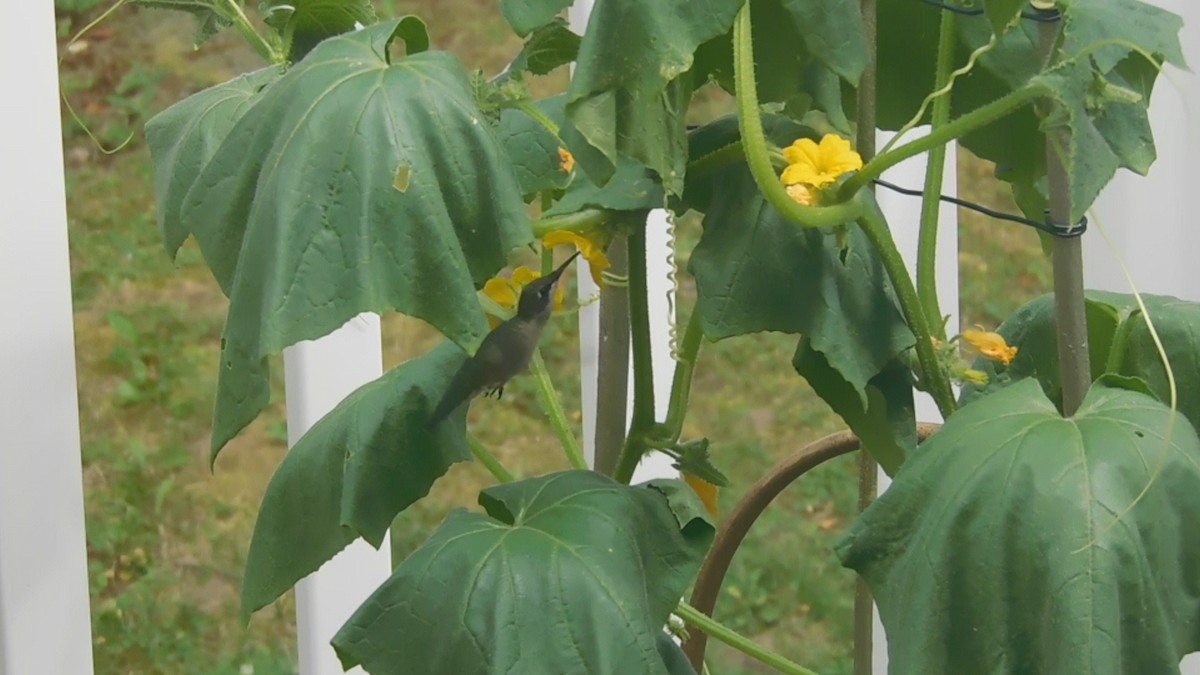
(681, 385)
(612, 376)
(932, 376)
(715, 630)
(488, 460)
(927, 289)
(540, 117)
(643, 367)
(980, 117)
(1074, 361)
(232, 11)
(579, 222)
(548, 397)
(754, 142)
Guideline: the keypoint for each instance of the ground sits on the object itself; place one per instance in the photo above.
(167, 537)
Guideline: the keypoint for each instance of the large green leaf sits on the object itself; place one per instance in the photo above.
(630, 92)
(532, 149)
(209, 21)
(1099, 112)
(884, 420)
(304, 23)
(527, 15)
(567, 573)
(1032, 330)
(355, 183)
(1016, 541)
(185, 136)
(756, 271)
(360, 465)
(547, 48)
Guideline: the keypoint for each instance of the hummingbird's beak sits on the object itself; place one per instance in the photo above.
(553, 276)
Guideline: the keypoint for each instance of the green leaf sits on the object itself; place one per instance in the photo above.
(366, 461)
(1089, 22)
(885, 423)
(567, 573)
(833, 33)
(547, 48)
(527, 15)
(632, 187)
(532, 149)
(209, 21)
(1004, 14)
(674, 659)
(629, 92)
(1032, 330)
(304, 189)
(756, 271)
(1104, 129)
(184, 137)
(305, 23)
(1078, 534)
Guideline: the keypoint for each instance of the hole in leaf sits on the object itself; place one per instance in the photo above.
(400, 180)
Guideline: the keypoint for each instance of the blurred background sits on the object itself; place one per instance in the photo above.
(167, 537)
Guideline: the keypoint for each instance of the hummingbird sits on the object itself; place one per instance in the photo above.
(506, 351)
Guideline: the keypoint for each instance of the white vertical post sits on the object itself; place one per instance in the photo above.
(319, 374)
(660, 288)
(45, 624)
(1150, 219)
(904, 215)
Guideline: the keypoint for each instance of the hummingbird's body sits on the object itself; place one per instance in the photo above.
(506, 351)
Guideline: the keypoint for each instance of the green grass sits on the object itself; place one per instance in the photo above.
(167, 537)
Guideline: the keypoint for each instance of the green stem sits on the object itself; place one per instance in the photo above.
(934, 379)
(980, 117)
(1120, 344)
(488, 460)
(927, 289)
(681, 385)
(579, 222)
(539, 117)
(548, 397)
(739, 642)
(232, 11)
(643, 366)
(754, 141)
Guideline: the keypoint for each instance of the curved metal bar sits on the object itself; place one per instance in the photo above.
(737, 523)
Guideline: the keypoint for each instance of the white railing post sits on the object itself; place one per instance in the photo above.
(660, 288)
(1151, 220)
(319, 374)
(45, 623)
(904, 214)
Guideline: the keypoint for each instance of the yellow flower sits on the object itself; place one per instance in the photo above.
(507, 292)
(566, 160)
(819, 165)
(990, 345)
(597, 261)
(705, 490)
(801, 194)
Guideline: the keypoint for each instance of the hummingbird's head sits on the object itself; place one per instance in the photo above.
(537, 297)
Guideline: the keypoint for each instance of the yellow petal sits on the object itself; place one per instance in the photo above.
(597, 260)
(802, 151)
(803, 173)
(501, 291)
(990, 345)
(800, 194)
(566, 160)
(706, 491)
(523, 275)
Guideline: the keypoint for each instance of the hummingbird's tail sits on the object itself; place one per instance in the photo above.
(460, 391)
